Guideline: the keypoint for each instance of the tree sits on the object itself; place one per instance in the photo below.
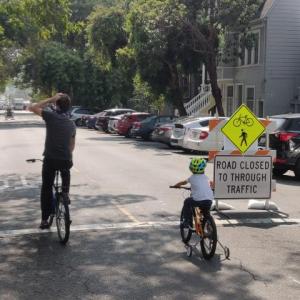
(207, 22)
(106, 34)
(108, 45)
(26, 23)
(157, 37)
(51, 68)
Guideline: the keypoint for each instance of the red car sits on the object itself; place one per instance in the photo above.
(125, 124)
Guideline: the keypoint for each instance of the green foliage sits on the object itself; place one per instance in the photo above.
(106, 34)
(51, 68)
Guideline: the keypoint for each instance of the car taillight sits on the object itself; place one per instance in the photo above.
(165, 129)
(280, 161)
(203, 135)
(285, 136)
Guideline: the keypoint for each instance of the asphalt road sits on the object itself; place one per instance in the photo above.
(124, 241)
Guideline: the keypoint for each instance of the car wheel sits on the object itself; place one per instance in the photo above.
(297, 169)
(279, 172)
(78, 122)
(146, 137)
(128, 134)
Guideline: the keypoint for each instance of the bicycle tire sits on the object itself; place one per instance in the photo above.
(209, 241)
(249, 122)
(186, 233)
(63, 220)
(237, 122)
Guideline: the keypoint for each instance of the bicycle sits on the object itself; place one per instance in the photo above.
(61, 208)
(243, 120)
(206, 230)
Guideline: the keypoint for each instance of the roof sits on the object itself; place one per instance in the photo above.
(266, 8)
(119, 109)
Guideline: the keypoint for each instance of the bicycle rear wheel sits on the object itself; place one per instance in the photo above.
(185, 232)
(209, 241)
(63, 220)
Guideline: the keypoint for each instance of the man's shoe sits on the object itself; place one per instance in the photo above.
(44, 225)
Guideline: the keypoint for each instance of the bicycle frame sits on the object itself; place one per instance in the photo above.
(198, 216)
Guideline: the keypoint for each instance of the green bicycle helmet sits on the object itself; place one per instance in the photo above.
(197, 165)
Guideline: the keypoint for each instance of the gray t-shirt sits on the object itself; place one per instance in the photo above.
(59, 131)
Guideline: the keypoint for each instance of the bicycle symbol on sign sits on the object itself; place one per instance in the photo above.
(243, 120)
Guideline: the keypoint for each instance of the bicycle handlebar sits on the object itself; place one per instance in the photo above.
(33, 160)
(182, 187)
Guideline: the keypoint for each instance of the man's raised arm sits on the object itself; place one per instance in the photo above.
(38, 107)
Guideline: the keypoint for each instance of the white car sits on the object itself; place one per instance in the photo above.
(180, 129)
(199, 138)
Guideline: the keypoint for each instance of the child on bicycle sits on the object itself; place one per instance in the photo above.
(201, 192)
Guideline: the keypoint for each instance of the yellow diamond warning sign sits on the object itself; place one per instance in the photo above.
(243, 128)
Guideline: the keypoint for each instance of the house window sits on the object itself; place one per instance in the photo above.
(260, 108)
(239, 95)
(250, 52)
(250, 98)
(256, 48)
(229, 93)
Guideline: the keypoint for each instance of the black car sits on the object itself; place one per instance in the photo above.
(286, 141)
(103, 118)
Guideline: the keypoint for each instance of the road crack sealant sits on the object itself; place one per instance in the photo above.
(252, 275)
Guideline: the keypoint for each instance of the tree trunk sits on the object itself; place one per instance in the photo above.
(175, 90)
(211, 66)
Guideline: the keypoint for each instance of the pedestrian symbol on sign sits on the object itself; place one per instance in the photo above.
(244, 137)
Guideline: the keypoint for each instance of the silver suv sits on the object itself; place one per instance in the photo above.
(77, 112)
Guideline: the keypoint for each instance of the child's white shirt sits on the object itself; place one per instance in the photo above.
(200, 188)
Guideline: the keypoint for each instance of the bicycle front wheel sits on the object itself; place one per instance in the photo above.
(185, 231)
(63, 221)
(209, 240)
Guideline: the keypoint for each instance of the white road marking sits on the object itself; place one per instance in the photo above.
(294, 280)
(131, 225)
(23, 180)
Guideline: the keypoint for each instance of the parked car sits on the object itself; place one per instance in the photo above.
(162, 133)
(102, 119)
(90, 120)
(199, 138)
(125, 124)
(286, 142)
(180, 128)
(145, 128)
(76, 114)
(113, 123)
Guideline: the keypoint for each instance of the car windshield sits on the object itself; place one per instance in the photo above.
(149, 119)
(292, 125)
(142, 117)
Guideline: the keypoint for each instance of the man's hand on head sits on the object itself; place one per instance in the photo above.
(56, 97)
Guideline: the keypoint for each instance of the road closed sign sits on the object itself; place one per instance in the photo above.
(243, 177)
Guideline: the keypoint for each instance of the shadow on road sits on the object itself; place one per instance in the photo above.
(134, 264)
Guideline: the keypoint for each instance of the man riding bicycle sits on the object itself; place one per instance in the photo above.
(59, 146)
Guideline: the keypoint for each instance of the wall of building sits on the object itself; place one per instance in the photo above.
(283, 56)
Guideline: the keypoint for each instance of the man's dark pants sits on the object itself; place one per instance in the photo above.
(48, 175)
(189, 203)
